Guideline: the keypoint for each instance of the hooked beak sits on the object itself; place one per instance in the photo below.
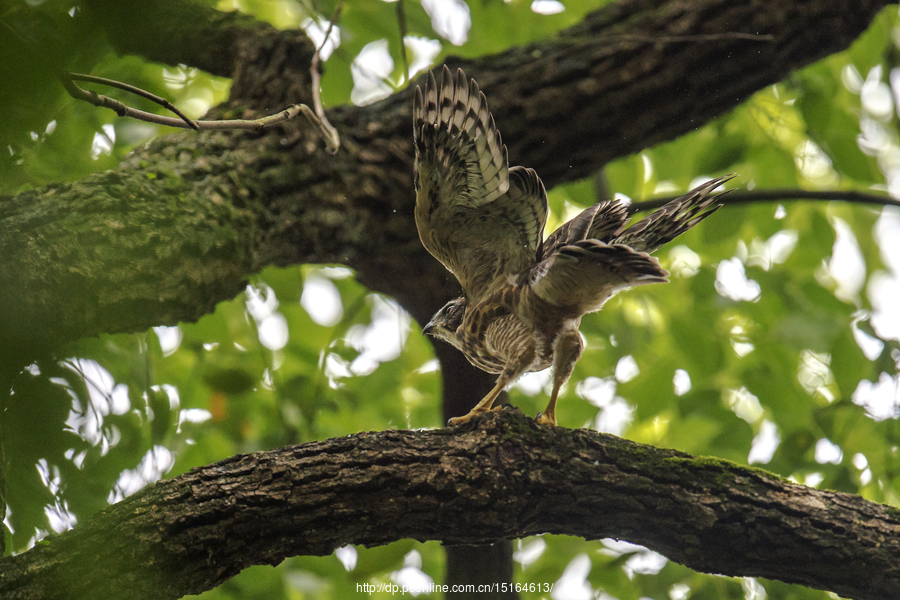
(429, 328)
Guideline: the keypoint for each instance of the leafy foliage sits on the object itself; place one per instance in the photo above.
(762, 347)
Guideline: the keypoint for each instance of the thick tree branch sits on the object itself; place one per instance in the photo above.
(185, 220)
(269, 68)
(501, 477)
(178, 32)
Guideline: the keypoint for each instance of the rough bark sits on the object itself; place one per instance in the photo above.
(501, 477)
(186, 219)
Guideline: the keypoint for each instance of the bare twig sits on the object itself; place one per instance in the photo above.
(706, 37)
(750, 196)
(329, 133)
(134, 90)
(123, 110)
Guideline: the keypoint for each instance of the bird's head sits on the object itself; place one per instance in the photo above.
(446, 321)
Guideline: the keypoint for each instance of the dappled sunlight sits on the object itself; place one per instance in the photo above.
(744, 404)
(271, 325)
(627, 369)
(105, 397)
(682, 382)
(881, 399)
(732, 282)
(828, 452)
(815, 376)
(348, 557)
(814, 164)
(573, 584)
(424, 52)
(156, 462)
(60, 517)
(169, 338)
(740, 339)
(450, 19)
(764, 444)
(528, 553)
(684, 262)
(753, 589)
(371, 70)
(883, 287)
(774, 251)
(316, 29)
(383, 339)
(746, 355)
(104, 140)
(615, 414)
(641, 560)
(411, 576)
(534, 383)
(547, 7)
(862, 465)
(809, 479)
(845, 271)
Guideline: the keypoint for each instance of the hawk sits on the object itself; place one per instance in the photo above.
(524, 296)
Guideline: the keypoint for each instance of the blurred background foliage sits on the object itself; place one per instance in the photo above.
(775, 344)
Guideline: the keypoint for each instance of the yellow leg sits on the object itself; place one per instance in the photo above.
(548, 417)
(486, 404)
(510, 373)
(566, 352)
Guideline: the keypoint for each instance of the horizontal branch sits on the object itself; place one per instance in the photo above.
(752, 196)
(500, 477)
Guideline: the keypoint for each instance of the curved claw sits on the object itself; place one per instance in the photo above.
(543, 419)
(454, 421)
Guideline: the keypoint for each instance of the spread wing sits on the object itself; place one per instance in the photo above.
(580, 277)
(589, 259)
(601, 221)
(482, 219)
(665, 224)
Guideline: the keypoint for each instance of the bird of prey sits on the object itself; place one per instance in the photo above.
(524, 296)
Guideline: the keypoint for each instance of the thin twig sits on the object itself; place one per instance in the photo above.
(671, 39)
(134, 90)
(124, 110)
(750, 196)
(401, 21)
(703, 37)
(329, 133)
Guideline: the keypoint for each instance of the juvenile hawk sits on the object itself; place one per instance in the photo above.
(484, 220)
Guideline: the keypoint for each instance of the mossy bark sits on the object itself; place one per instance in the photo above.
(501, 477)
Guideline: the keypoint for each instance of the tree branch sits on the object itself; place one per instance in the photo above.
(501, 477)
(184, 222)
(753, 196)
(123, 110)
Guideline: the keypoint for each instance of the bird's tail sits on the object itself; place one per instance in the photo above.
(673, 219)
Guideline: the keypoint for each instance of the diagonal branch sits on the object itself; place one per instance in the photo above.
(500, 477)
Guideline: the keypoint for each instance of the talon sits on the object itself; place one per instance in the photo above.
(454, 421)
(543, 419)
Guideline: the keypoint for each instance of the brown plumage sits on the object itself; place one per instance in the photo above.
(524, 296)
